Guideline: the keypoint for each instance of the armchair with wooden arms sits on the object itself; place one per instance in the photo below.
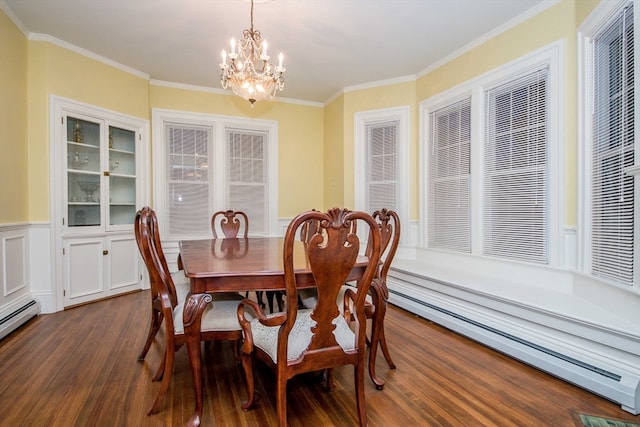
(376, 302)
(219, 319)
(320, 338)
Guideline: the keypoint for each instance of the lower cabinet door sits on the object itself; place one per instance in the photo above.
(83, 270)
(123, 273)
(96, 268)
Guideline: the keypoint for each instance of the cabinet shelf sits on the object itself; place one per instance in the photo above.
(83, 145)
(84, 203)
(116, 150)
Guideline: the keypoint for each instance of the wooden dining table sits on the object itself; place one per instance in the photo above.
(240, 265)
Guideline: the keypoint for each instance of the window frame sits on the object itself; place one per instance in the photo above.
(363, 119)
(219, 187)
(553, 56)
(601, 17)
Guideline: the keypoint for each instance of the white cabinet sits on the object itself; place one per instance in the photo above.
(99, 161)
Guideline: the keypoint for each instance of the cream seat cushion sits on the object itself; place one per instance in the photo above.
(218, 316)
(266, 337)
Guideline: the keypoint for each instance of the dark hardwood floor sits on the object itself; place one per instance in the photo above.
(78, 368)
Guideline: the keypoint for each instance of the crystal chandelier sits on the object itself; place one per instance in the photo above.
(248, 71)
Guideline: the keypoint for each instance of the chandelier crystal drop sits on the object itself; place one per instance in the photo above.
(248, 71)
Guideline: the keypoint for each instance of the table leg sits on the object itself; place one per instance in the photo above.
(192, 317)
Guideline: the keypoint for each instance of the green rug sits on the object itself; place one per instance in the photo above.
(591, 421)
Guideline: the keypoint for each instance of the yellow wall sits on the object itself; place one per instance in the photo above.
(54, 70)
(334, 167)
(315, 144)
(13, 124)
(300, 139)
(394, 95)
(555, 23)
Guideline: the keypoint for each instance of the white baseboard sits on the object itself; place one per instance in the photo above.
(16, 314)
(611, 371)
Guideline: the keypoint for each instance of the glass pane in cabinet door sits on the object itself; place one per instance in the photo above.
(83, 199)
(83, 145)
(122, 151)
(122, 199)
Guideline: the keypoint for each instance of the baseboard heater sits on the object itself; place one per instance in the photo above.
(531, 353)
(18, 317)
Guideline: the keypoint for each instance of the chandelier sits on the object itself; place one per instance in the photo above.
(248, 72)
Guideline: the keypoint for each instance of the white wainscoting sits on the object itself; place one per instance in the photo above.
(16, 305)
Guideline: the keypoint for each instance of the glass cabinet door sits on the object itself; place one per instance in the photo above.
(122, 176)
(101, 174)
(83, 172)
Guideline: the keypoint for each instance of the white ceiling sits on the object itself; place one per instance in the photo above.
(329, 45)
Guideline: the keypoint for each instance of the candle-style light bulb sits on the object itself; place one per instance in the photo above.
(264, 48)
(233, 46)
(280, 57)
(224, 57)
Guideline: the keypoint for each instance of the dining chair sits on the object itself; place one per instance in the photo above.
(377, 300)
(219, 319)
(229, 223)
(181, 285)
(318, 339)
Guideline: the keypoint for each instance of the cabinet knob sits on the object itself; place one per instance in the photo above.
(106, 173)
(105, 252)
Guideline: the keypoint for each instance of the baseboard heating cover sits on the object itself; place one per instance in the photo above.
(614, 386)
(18, 317)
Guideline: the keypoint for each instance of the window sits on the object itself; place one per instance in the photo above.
(380, 148)
(208, 163)
(492, 163)
(188, 189)
(515, 169)
(449, 178)
(248, 177)
(612, 198)
(382, 166)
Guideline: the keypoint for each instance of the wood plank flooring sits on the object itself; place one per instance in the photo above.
(78, 368)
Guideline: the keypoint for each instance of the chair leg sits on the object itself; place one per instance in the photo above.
(330, 383)
(281, 401)
(385, 350)
(247, 369)
(160, 372)
(360, 400)
(154, 327)
(278, 297)
(259, 299)
(166, 380)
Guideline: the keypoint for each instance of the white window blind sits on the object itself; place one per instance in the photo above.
(382, 165)
(449, 178)
(188, 189)
(515, 185)
(612, 191)
(247, 187)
